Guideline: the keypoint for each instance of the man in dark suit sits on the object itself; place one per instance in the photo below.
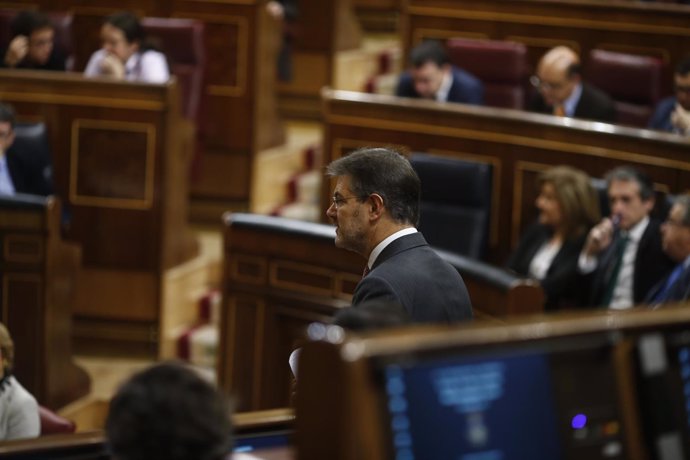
(622, 257)
(673, 113)
(431, 76)
(25, 166)
(561, 91)
(675, 234)
(375, 209)
(32, 44)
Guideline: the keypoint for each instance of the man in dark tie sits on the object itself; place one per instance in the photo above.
(676, 242)
(622, 258)
(375, 209)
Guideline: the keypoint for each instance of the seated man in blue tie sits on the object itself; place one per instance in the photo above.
(675, 237)
(622, 258)
(431, 76)
(24, 166)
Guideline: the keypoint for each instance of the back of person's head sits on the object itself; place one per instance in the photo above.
(683, 67)
(7, 114)
(26, 22)
(385, 172)
(130, 26)
(632, 174)
(577, 198)
(7, 350)
(168, 412)
(372, 315)
(429, 51)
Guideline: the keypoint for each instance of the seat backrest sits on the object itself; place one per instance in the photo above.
(500, 65)
(52, 423)
(633, 82)
(455, 203)
(182, 42)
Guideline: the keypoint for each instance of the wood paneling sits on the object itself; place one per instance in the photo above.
(655, 29)
(38, 274)
(519, 142)
(119, 163)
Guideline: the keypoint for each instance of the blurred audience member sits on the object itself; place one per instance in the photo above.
(673, 113)
(561, 91)
(548, 251)
(168, 412)
(32, 43)
(285, 11)
(431, 76)
(126, 54)
(623, 258)
(18, 409)
(675, 239)
(23, 169)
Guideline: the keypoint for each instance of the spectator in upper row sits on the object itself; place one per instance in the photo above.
(32, 43)
(562, 92)
(548, 251)
(673, 113)
(431, 76)
(126, 54)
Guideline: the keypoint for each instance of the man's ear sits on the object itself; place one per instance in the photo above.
(376, 206)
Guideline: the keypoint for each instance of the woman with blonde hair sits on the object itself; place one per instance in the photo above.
(18, 409)
(548, 251)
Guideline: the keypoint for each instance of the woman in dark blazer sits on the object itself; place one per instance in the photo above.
(549, 249)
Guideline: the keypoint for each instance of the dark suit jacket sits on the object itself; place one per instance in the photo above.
(409, 272)
(678, 292)
(561, 281)
(30, 168)
(661, 119)
(593, 105)
(56, 61)
(651, 265)
(465, 89)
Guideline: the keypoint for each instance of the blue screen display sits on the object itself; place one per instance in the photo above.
(488, 408)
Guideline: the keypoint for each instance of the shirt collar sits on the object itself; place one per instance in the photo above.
(382, 245)
(132, 63)
(444, 89)
(635, 233)
(570, 104)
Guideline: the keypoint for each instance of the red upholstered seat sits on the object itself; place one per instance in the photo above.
(182, 42)
(500, 65)
(633, 82)
(52, 423)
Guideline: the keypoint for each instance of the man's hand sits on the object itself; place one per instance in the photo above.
(112, 66)
(599, 237)
(17, 50)
(680, 119)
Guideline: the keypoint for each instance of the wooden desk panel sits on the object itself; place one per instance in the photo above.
(517, 144)
(120, 167)
(654, 29)
(39, 281)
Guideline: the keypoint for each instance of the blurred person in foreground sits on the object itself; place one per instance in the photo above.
(168, 412)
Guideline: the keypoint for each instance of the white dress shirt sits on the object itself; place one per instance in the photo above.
(444, 89)
(622, 297)
(570, 104)
(6, 184)
(382, 245)
(147, 67)
(541, 262)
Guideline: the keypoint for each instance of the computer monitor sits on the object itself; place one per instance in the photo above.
(548, 400)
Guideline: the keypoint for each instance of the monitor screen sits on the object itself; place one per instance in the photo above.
(251, 442)
(554, 401)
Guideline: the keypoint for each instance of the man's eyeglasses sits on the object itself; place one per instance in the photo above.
(544, 85)
(338, 201)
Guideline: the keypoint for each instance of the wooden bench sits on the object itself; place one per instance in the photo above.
(39, 281)
(517, 144)
(280, 275)
(120, 162)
